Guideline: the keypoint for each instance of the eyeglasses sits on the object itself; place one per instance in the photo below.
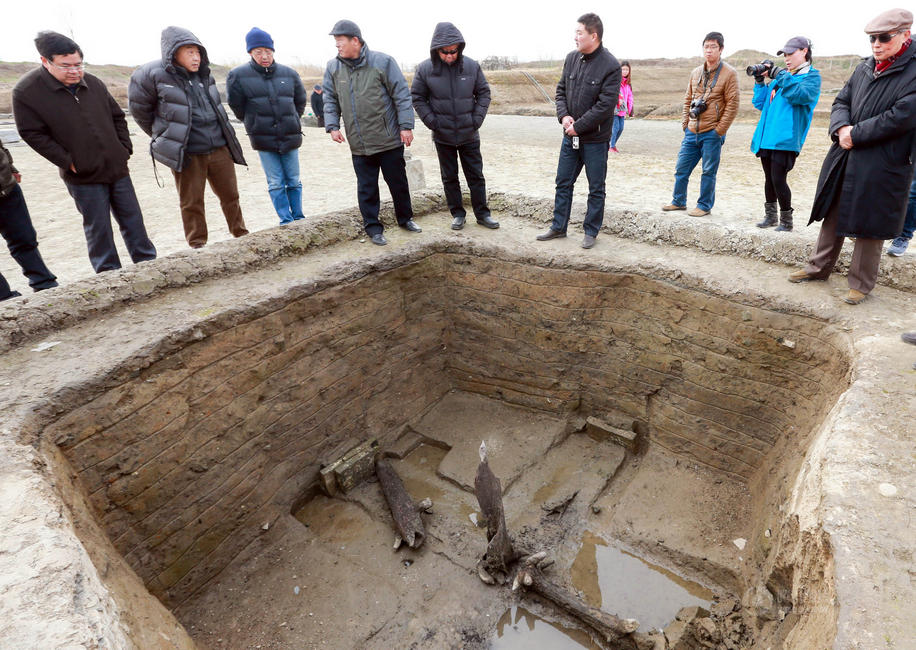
(882, 38)
(76, 67)
(447, 52)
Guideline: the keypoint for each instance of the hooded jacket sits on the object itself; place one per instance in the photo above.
(588, 92)
(871, 181)
(161, 101)
(785, 119)
(371, 97)
(451, 100)
(85, 128)
(270, 101)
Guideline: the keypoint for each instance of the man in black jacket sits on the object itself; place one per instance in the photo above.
(586, 101)
(270, 99)
(69, 117)
(451, 96)
(864, 183)
(175, 101)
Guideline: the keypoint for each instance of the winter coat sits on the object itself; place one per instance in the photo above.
(452, 100)
(87, 129)
(625, 99)
(7, 169)
(371, 95)
(721, 101)
(784, 120)
(270, 101)
(871, 181)
(588, 91)
(160, 101)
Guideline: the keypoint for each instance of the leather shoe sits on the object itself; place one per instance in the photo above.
(13, 294)
(550, 234)
(802, 276)
(854, 297)
(588, 241)
(697, 212)
(909, 337)
(671, 207)
(411, 226)
(378, 239)
(488, 222)
(457, 223)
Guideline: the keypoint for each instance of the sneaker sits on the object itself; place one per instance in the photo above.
(698, 212)
(898, 247)
(671, 207)
(614, 149)
(854, 297)
(588, 241)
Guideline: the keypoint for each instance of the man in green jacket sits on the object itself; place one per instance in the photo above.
(369, 92)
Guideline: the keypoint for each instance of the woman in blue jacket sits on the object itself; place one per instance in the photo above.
(786, 106)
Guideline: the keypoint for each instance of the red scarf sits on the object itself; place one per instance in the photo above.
(881, 66)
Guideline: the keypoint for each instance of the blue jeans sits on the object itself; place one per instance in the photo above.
(617, 129)
(708, 146)
(909, 225)
(593, 156)
(98, 202)
(282, 171)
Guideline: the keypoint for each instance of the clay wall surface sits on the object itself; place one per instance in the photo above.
(185, 461)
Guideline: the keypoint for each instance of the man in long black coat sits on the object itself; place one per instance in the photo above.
(864, 182)
(451, 97)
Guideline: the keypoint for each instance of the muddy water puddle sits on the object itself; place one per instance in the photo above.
(626, 585)
(519, 629)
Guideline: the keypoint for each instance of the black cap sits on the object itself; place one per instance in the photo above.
(346, 28)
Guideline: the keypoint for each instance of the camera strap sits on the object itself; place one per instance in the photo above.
(714, 80)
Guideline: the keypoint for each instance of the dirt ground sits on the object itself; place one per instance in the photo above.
(520, 155)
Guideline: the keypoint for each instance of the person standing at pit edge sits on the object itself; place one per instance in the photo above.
(175, 101)
(368, 91)
(270, 99)
(710, 107)
(586, 100)
(451, 96)
(786, 106)
(624, 104)
(865, 179)
(69, 117)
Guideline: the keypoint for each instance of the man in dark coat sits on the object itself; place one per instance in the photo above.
(317, 103)
(586, 101)
(69, 117)
(175, 101)
(16, 228)
(451, 96)
(270, 99)
(865, 179)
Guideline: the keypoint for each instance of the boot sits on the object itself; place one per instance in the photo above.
(785, 220)
(769, 219)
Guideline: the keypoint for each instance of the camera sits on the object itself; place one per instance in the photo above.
(762, 69)
(697, 106)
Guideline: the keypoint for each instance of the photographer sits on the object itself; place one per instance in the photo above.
(710, 105)
(786, 106)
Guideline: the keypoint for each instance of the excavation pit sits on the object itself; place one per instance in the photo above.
(189, 467)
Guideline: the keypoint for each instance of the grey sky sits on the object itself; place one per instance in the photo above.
(128, 33)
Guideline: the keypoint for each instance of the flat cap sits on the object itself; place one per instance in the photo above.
(892, 20)
(793, 44)
(346, 28)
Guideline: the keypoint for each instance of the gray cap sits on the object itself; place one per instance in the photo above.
(892, 20)
(346, 28)
(795, 43)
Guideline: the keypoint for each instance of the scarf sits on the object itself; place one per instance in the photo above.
(881, 66)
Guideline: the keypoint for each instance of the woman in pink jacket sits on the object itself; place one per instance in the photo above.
(624, 104)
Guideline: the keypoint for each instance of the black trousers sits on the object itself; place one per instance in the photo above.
(472, 164)
(394, 170)
(776, 166)
(21, 239)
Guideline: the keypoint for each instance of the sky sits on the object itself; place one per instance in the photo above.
(116, 32)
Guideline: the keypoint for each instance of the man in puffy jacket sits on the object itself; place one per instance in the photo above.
(865, 179)
(270, 99)
(368, 91)
(16, 228)
(69, 117)
(710, 107)
(176, 102)
(451, 96)
(586, 101)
